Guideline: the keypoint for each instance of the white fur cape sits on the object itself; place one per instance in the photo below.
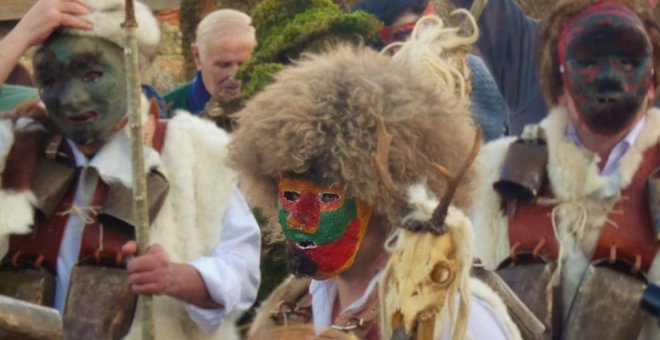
(193, 160)
(107, 17)
(574, 179)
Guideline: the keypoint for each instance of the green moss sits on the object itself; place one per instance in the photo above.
(271, 13)
(256, 76)
(287, 28)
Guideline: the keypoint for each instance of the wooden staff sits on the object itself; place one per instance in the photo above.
(131, 52)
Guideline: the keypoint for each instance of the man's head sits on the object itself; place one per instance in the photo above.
(82, 76)
(82, 82)
(225, 39)
(599, 59)
(315, 154)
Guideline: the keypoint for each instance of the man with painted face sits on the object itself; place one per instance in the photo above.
(308, 149)
(65, 199)
(565, 212)
(508, 44)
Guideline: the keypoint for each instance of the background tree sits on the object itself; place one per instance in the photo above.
(192, 11)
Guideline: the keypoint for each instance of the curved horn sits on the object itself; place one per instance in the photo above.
(440, 212)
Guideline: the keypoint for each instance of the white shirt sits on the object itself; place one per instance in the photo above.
(231, 273)
(483, 322)
(617, 152)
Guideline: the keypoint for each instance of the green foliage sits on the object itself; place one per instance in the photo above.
(287, 28)
(272, 13)
(256, 76)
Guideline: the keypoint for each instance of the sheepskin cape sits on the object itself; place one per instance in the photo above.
(573, 176)
(193, 161)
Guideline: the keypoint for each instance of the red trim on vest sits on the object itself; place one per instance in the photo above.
(159, 135)
(95, 233)
(46, 238)
(634, 237)
(530, 228)
(44, 242)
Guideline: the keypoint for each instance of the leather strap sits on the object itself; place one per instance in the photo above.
(364, 323)
(631, 233)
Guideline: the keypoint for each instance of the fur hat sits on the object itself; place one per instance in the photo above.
(107, 17)
(328, 116)
(565, 11)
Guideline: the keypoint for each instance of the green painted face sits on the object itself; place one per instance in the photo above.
(82, 81)
(309, 212)
(324, 228)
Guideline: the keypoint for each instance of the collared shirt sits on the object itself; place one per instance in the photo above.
(617, 152)
(231, 273)
(198, 96)
(483, 321)
(324, 294)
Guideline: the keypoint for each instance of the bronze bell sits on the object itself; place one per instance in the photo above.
(523, 172)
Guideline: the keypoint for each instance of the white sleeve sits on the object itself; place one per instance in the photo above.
(6, 141)
(484, 323)
(232, 273)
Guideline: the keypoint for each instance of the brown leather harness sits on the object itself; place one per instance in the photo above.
(629, 234)
(41, 247)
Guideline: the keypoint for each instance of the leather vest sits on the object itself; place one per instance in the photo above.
(55, 184)
(629, 236)
(626, 249)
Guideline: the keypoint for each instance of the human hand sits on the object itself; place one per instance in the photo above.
(46, 15)
(150, 273)
(653, 3)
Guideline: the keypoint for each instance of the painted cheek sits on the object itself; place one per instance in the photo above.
(333, 257)
(305, 213)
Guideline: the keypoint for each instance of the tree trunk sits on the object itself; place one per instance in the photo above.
(192, 11)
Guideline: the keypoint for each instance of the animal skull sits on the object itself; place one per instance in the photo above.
(420, 278)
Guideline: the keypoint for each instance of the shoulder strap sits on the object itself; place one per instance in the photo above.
(155, 129)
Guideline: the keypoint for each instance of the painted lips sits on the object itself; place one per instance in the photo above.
(306, 244)
(85, 117)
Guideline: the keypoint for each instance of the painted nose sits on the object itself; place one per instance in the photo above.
(74, 94)
(612, 69)
(305, 214)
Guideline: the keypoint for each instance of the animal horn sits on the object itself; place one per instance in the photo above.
(440, 212)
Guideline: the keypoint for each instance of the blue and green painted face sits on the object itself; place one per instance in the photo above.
(608, 66)
(82, 81)
(324, 229)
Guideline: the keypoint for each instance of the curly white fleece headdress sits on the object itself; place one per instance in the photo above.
(107, 16)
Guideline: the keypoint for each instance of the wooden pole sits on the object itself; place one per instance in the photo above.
(131, 53)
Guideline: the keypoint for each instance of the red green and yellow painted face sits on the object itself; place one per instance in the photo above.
(324, 229)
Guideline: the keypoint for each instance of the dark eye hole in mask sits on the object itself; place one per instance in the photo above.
(630, 46)
(48, 70)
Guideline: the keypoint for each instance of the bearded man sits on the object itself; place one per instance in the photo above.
(563, 211)
(65, 199)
